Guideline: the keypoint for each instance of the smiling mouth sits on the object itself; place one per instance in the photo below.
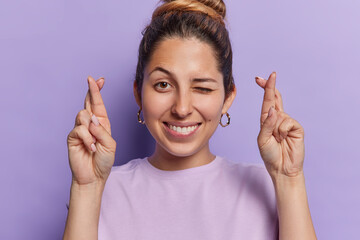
(182, 131)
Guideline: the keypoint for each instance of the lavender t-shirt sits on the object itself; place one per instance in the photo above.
(221, 200)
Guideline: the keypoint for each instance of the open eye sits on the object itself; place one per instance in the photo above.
(162, 85)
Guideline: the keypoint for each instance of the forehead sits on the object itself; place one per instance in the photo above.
(185, 56)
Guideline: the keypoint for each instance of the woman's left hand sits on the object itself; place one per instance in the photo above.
(281, 138)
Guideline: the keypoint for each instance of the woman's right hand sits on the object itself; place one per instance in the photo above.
(89, 166)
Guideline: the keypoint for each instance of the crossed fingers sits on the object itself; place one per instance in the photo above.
(94, 104)
(272, 96)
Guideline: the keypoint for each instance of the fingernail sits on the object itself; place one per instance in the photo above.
(100, 79)
(93, 148)
(270, 111)
(94, 139)
(95, 120)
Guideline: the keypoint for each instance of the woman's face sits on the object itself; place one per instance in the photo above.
(183, 96)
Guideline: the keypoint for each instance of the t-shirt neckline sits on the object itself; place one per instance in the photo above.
(181, 173)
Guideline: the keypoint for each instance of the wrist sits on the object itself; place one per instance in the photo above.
(95, 187)
(282, 175)
(84, 211)
(286, 186)
(284, 181)
(293, 208)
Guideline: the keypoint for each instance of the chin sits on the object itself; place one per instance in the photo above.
(180, 149)
(180, 145)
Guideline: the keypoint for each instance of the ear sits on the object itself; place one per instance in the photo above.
(136, 94)
(228, 101)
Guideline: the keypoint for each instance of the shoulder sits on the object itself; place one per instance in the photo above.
(254, 183)
(246, 167)
(125, 170)
(123, 176)
(127, 167)
(253, 175)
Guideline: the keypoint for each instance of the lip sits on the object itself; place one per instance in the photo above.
(180, 124)
(183, 124)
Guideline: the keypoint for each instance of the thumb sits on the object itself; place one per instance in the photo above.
(268, 127)
(102, 136)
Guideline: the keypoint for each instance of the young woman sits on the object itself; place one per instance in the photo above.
(184, 87)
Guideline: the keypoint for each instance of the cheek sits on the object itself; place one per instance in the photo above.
(154, 104)
(210, 107)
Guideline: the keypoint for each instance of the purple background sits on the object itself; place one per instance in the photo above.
(48, 48)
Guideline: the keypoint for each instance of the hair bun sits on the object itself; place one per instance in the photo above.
(214, 8)
(217, 5)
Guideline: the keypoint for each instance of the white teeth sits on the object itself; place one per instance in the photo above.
(183, 130)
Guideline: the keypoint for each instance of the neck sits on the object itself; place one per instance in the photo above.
(164, 160)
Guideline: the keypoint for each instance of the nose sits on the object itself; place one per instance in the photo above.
(182, 106)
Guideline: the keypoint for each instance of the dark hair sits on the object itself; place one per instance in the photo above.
(202, 19)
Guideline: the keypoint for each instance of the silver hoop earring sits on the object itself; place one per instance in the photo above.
(228, 120)
(139, 119)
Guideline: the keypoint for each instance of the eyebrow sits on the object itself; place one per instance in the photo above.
(194, 80)
(161, 70)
